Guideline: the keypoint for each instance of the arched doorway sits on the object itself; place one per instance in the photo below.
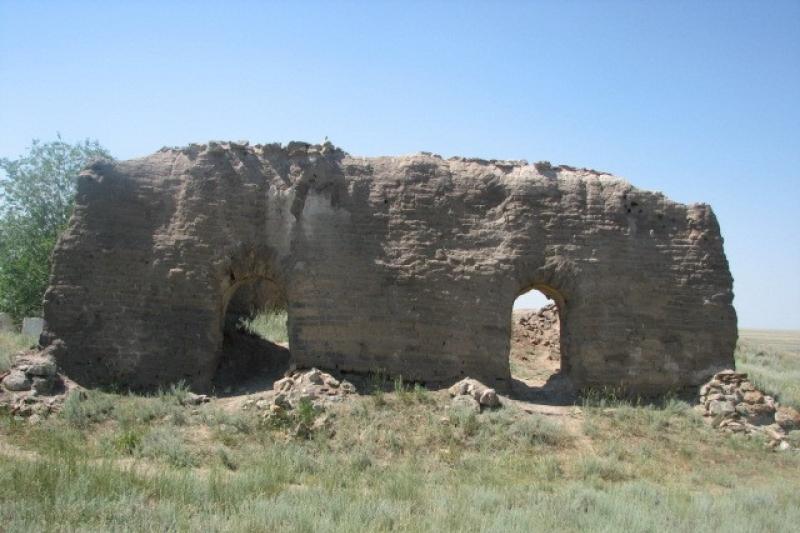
(255, 345)
(536, 350)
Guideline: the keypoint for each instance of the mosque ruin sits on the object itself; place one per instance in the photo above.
(409, 265)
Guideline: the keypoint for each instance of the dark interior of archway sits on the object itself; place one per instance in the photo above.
(255, 347)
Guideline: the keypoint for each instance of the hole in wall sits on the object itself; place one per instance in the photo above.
(535, 353)
(255, 344)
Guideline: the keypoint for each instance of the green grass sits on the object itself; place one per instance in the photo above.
(270, 325)
(772, 359)
(146, 463)
(11, 343)
(400, 467)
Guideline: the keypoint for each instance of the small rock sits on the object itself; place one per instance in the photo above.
(770, 401)
(330, 381)
(465, 402)
(308, 395)
(757, 414)
(753, 396)
(44, 368)
(480, 392)
(783, 446)
(16, 380)
(262, 405)
(721, 407)
(489, 398)
(313, 376)
(281, 400)
(283, 384)
(42, 385)
(788, 418)
(459, 389)
(773, 433)
(32, 326)
(347, 387)
(34, 419)
(195, 399)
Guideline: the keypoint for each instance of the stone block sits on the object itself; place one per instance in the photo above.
(32, 327)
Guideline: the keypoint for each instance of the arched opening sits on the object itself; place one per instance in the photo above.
(535, 355)
(255, 346)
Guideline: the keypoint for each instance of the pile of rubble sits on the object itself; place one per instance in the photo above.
(539, 331)
(733, 404)
(32, 388)
(472, 395)
(314, 386)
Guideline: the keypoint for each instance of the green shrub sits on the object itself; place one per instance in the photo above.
(226, 458)
(269, 325)
(83, 408)
(128, 441)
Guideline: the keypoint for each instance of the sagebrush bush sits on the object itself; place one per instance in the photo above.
(166, 444)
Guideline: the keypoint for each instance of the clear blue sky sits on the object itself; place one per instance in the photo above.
(700, 100)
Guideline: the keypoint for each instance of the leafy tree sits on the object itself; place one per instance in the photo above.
(36, 197)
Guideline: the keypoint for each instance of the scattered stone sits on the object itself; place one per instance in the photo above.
(731, 403)
(473, 388)
(314, 386)
(538, 333)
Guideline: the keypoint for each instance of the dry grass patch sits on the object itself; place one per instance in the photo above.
(393, 461)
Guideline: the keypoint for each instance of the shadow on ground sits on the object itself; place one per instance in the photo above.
(249, 364)
(557, 390)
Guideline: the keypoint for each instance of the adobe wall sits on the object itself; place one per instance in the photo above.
(407, 264)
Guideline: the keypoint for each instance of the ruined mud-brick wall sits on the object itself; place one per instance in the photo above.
(406, 264)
